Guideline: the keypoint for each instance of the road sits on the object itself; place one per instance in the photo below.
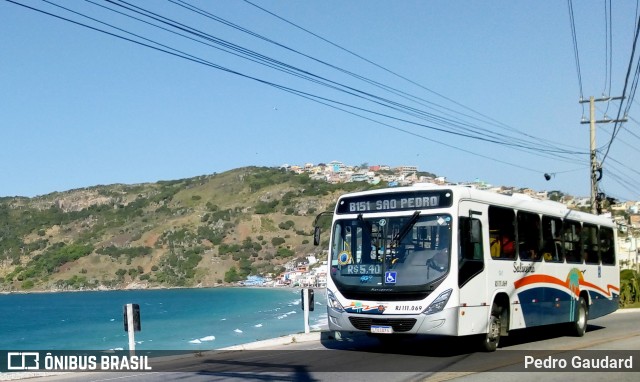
(358, 357)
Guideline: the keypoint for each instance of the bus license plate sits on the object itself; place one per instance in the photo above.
(381, 329)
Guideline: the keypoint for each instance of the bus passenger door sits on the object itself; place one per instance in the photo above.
(472, 276)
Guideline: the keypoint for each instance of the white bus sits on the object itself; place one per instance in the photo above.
(456, 261)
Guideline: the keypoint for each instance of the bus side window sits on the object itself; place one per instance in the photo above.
(552, 249)
(502, 233)
(572, 241)
(529, 247)
(590, 244)
(606, 246)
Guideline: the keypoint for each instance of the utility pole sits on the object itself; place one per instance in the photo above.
(595, 168)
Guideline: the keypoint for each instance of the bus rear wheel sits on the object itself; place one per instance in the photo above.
(492, 337)
(579, 326)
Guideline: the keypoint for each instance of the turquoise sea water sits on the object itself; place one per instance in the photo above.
(172, 319)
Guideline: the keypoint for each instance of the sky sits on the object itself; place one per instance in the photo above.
(468, 90)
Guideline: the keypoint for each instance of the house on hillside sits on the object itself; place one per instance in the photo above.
(359, 177)
(441, 180)
(336, 167)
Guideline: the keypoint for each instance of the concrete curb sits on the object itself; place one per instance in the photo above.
(285, 340)
(628, 310)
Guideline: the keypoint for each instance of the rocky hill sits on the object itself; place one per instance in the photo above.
(202, 231)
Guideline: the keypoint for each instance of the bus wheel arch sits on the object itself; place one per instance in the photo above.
(498, 324)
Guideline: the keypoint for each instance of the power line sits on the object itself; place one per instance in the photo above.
(398, 107)
(178, 53)
(624, 182)
(575, 48)
(290, 69)
(608, 47)
(494, 121)
(596, 168)
(347, 89)
(618, 125)
(631, 132)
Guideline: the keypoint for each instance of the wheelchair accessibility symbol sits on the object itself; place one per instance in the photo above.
(390, 277)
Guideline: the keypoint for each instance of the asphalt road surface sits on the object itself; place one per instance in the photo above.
(545, 353)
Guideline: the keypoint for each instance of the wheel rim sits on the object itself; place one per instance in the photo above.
(494, 330)
(582, 317)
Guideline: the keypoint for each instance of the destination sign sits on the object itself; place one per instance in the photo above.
(397, 201)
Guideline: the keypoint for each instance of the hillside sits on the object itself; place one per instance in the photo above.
(202, 231)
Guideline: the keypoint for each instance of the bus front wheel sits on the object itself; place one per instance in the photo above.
(492, 337)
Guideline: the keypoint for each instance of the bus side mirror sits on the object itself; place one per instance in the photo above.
(475, 231)
(316, 236)
(316, 227)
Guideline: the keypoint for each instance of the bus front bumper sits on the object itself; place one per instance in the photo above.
(444, 322)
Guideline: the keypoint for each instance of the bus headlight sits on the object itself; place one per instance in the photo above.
(333, 302)
(438, 304)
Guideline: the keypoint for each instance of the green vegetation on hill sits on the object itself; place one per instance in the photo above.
(629, 288)
(203, 231)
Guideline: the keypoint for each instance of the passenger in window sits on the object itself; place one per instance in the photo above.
(495, 244)
(548, 250)
(529, 255)
(508, 247)
(502, 246)
(552, 249)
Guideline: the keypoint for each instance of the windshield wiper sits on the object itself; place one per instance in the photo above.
(405, 230)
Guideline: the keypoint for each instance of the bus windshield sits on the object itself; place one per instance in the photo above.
(391, 253)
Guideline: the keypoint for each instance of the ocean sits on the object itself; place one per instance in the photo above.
(171, 319)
